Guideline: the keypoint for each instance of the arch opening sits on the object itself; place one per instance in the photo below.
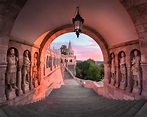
(78, 52)
(69, 28)
(83, 47)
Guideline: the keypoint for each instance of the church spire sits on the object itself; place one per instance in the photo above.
(70, 51)
(69, 46)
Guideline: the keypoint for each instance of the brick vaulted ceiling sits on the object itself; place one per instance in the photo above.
(108, 17)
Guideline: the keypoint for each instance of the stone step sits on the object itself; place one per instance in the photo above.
(76, 101)
(60, 111)
(20, 111)
(71, 107)
(72, 91)
(120, 112)
(142, 112)
(33, 107)
(74, 88)
(108, 110)
(2, 113)
(79, 101)
(55, 107)
(132, 111)
(83, 102)
(65, 112)
(77, 107)
(10, 112)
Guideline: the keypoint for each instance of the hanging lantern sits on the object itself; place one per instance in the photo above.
(78, 23)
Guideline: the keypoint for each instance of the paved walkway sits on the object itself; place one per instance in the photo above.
(72, 100)
(68, 80)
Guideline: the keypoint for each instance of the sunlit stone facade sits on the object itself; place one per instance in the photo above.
(68, 57)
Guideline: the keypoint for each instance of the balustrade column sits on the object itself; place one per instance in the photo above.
(3, 66)
(144, 78)
(41, 72)
(19, 84)
(107, 72)
(141, 29)
(2, 82)
(117, 76)
(51, 63)
(129, 76)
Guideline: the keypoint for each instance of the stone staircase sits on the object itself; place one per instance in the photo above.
(77, 101)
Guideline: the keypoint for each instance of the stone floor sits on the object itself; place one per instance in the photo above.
(68, 80)
(72, 100)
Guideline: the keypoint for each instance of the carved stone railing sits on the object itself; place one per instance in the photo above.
(37, 93)
(107, 90)
(96, 86)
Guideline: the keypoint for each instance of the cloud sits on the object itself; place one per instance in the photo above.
(84, 46)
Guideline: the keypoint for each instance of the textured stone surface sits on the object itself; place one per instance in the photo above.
(68, 80)
(9, 10)
(10, 94)
(76, 101)
(122, 85)
(142, 112)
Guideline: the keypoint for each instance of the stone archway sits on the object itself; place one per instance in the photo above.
(69, 28)
(9, 18)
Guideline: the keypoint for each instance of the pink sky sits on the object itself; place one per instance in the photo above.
(84, 47)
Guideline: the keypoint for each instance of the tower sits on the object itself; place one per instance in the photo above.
(68, 57)
(69, 50)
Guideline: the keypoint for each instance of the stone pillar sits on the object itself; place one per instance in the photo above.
(39, 76)
(25, 87)
(117, 75)
(19, 91)
(3, 66)
(56, 61)
(144, 79)
(31, 83)
(137, 11)
(40, 72)
(129, 75)
(51, 63)
(43, 66)
(2, 83)
(4, 30)
(107, 72)
(143, 47)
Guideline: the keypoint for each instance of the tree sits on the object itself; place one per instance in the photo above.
(88, 70)
(63, 49)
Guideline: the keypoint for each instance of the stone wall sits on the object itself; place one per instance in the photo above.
(122, 78)
(21, 75)
(132, 86)
(9, 10)
(138, 12)
(49, 82)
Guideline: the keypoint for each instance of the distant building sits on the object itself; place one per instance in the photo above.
(79, 61)
(68, 57)
(98, 62)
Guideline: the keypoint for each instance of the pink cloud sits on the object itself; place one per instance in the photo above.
(86, 53)
(84, 47)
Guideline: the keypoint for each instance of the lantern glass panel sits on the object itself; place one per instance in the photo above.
(78, 24)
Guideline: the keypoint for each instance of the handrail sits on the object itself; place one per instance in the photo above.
(84, 82)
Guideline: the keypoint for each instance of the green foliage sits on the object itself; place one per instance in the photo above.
(63, 49)
(88, 70)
